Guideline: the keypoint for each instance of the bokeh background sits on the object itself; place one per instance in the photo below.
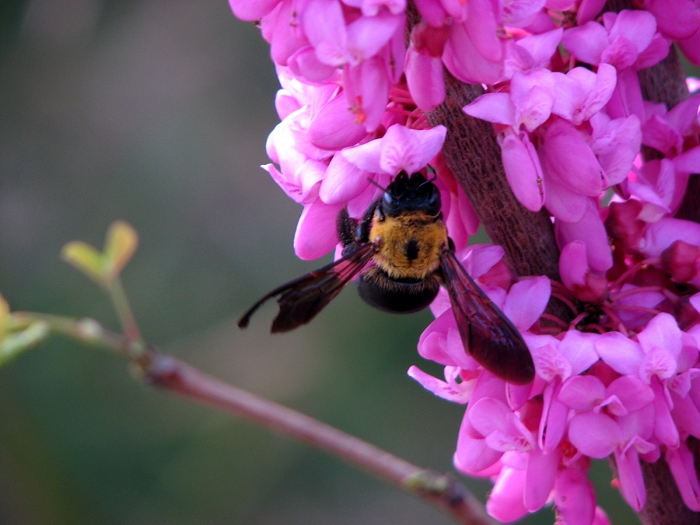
(156, 112)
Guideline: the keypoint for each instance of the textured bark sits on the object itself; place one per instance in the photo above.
(472, 153)
(664, 504)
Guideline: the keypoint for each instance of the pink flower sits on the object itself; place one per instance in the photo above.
(620, 380)
(424, 73)
(667, 131)
(626, 39)
(401, 148)
(590, 230)
(578, 276)
(661, 234)
(531, 52)
(252, 9)
(677, 19)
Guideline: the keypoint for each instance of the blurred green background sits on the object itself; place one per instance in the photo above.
(156, 112)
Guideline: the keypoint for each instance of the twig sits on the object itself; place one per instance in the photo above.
(180, 378)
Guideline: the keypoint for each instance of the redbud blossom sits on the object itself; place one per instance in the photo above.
(620, 380)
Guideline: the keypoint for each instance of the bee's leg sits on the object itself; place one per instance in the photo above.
(346, 227)
(362, 233)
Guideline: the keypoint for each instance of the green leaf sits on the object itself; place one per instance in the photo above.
(120, 246)
(103, 268)
(16, 343)
(86, 259)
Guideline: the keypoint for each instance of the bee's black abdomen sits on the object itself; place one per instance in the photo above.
(395, 296)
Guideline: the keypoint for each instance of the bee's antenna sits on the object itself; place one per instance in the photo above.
(432, 171)
(375, 183)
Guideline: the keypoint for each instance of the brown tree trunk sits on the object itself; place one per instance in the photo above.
(472, 153)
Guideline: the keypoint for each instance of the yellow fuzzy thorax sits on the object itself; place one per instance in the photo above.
(410, 244)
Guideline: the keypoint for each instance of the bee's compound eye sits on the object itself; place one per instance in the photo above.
(388, 199)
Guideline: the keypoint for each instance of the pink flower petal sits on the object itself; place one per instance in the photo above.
(677, 19)
(621, 353)
(682, 466)
(573, 264)
(424, 75)
(574, 497)
(315, 235)
(549, 362)
(526, 301)
(334, 127)
(663, 233)
(343, 181)
(305, 64)
(586, 42)
(472, 454)
(686, 415)
(410, 150)
(662, 331)
(578, 348)
(631, 478)
(464, 61)
(582, 392)
(285, 38)
(324, 26)
(656, 51)
(562, 141)
(482, 27)
(523, 170)
(589, 229)
(636, 26)
(539, 478)
(493, 107)
(594, 434)
(440, 388)
(541, 47)
(367, 35)
(664, 428)
(441, 342)
(554, 419)
(588, 10)
(251, 10)
(501, 427)
(632, 392)
(616, 143)
(367, 91)
(506, 500)
(691, 48)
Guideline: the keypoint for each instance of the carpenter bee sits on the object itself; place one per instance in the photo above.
(403, 234)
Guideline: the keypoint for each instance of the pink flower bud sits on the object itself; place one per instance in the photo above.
(680, 261)
(623, 224)
(429, 39)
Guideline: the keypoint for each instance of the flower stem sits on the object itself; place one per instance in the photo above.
(120, 301)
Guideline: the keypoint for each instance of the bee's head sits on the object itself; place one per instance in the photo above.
(411, 193)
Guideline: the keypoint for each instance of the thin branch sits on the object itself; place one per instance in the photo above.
(182, 379)
(440, 490)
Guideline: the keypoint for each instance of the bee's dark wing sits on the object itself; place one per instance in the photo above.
(301, 299)
(487, 334)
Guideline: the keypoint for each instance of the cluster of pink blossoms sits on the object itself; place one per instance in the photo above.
(563, 94)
